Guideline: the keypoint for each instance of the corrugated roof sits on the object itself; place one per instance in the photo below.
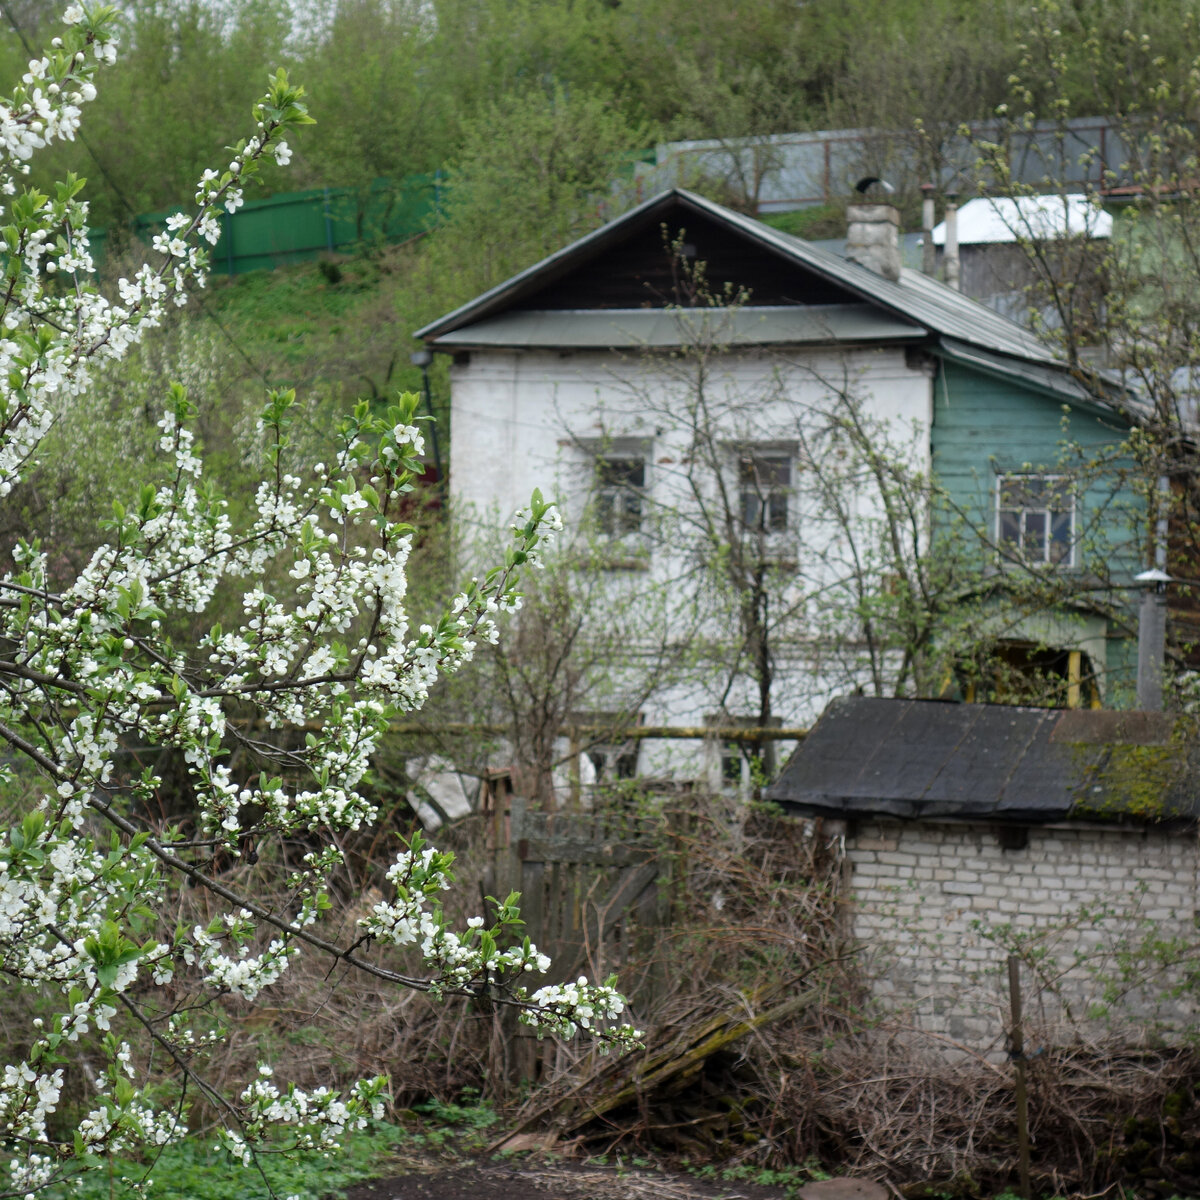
(669, 327)
(869, 757)
(1037, 375)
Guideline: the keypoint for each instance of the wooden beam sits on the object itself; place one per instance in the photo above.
(733, 733)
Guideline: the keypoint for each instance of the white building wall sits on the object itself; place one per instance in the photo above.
(516, 414)
(938, 908)
(526, 419)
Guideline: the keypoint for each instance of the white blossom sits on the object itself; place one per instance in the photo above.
(90, 670)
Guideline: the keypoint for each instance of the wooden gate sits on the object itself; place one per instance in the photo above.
(590, 897)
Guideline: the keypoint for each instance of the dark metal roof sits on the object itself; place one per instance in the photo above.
(924, 759)
(629, 328)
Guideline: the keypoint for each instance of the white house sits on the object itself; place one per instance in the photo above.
(665, 410)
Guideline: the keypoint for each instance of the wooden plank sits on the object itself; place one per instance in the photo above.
(553, 935)
(626, 1079)
(533, 875)
(558, 848)
(601, 918)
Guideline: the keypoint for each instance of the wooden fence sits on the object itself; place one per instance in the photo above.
(591, 889)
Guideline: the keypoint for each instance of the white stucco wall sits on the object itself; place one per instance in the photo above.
(531, 419)
(938, 907)
(515, 414)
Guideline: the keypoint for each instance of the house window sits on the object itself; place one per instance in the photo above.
(610, 763)
(607, 755)
(1036, 518)
(619, 496)
(734, 766)
(765, 485)
(737, 765)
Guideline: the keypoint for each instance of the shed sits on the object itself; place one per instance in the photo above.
(975, 832)
(996, 269)
(905, 759)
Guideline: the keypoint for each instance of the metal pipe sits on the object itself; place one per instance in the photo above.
(1152, 638)
(421, 359)
(633, 733)
(928, 218)
(1017, 1044)
(953, 266)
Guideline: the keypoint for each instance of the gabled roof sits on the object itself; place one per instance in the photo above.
(923, 759)
(933, 312)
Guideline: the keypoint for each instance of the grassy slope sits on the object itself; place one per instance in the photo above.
(341, 331)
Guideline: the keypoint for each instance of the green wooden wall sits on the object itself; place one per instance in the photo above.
(985, 426)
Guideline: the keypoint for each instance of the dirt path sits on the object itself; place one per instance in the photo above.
(490, 1179)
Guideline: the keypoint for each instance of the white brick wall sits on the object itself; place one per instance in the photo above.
(940, 906)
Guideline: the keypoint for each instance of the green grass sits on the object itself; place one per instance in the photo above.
(790, 1179)
(302, 328)
(197, 1170)
(454, 1127)
(814, 222)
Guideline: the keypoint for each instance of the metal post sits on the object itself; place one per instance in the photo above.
(1017, 1043)
(928, 214)
(328, 222)
(422, 359)
(1074, 678)
(1152, 637)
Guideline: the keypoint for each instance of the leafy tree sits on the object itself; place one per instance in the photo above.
(1123, 311)
(128, 996)
(559, 153)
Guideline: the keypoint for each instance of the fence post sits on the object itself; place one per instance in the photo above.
(529, 876)
(1017, 1042)
(328, 223)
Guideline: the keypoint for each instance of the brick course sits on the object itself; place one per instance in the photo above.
(939, 907)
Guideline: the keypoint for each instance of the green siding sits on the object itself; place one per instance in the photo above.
(985, 426)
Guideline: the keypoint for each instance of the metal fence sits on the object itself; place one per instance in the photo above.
(775, 174)
(299, 226)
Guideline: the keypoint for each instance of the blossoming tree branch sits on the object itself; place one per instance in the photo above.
(90, 664)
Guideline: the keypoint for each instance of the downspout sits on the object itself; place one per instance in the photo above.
(1152, 613)
(1160, 541)
(1152, 629)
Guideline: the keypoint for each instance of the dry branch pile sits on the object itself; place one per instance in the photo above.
(765, 1049)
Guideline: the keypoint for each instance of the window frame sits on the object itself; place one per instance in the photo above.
(628, 541)
(724, 753)
(1061, 484)
(614, 761)
(753, 494)
(611, 499)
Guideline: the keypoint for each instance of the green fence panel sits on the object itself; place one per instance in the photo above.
(298, 226)
(264, 234)
(386, 211)
(97, 241)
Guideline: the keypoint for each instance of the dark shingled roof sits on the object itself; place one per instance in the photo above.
(925, 759)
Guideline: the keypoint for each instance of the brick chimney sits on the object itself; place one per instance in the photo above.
(873, 238)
